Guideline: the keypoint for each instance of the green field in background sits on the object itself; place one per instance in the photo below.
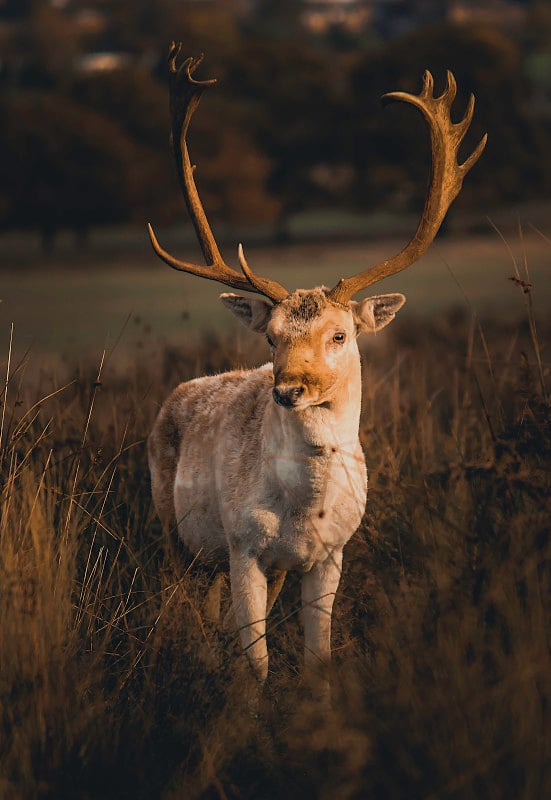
(120, 292)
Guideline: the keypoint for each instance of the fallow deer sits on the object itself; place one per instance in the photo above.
(264, 467)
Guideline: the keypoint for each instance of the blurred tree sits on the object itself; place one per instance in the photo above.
(65, 166)
(15, 9)
(536, 39)
(133, 24)
(387, 147)
(433, 12)
(295, 123)
(276, 20)
(203, 27)
(129, 95)
(232, 170)
(294, 112)
(50, 40)
(148, 26)
(537, 28)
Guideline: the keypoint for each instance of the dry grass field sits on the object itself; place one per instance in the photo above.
(113, 684)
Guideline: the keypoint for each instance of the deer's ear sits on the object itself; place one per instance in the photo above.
(253, 312)
(375, 312)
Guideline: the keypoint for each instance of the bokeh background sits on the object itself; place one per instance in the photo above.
(114, 680)
(295, 155)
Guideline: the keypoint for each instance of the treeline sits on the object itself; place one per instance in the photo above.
(294, 123)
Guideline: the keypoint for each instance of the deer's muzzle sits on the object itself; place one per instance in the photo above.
(288, 395)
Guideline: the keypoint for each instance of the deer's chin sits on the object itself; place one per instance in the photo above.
(300, 405)
(317, 400)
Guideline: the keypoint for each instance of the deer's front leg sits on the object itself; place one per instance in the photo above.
(249, 596)
(318, 593)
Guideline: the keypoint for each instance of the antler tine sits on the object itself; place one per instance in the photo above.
(266, 286)
(445, 182)
(185, 94)
(450, 91)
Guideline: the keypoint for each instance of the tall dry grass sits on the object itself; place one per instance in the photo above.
(114, 684)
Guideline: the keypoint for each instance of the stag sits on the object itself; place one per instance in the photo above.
(263, 468)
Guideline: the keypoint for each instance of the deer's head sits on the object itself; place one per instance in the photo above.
(312, 339)
(312, 333)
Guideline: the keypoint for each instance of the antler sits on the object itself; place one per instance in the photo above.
(185, 94)
(445, 182)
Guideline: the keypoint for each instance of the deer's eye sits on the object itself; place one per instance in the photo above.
(270, 341)
(339, 337)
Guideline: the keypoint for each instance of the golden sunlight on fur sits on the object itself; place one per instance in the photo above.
(265, 468)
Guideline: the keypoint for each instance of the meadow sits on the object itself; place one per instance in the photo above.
(113, 682)
(79, 301)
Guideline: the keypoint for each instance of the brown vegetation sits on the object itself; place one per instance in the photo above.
(112, 682)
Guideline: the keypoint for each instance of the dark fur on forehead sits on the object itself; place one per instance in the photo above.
(304, 305)
(297, 312)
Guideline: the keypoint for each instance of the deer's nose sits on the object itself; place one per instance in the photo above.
(287, 395)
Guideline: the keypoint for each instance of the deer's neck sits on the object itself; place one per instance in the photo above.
(332, 424)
